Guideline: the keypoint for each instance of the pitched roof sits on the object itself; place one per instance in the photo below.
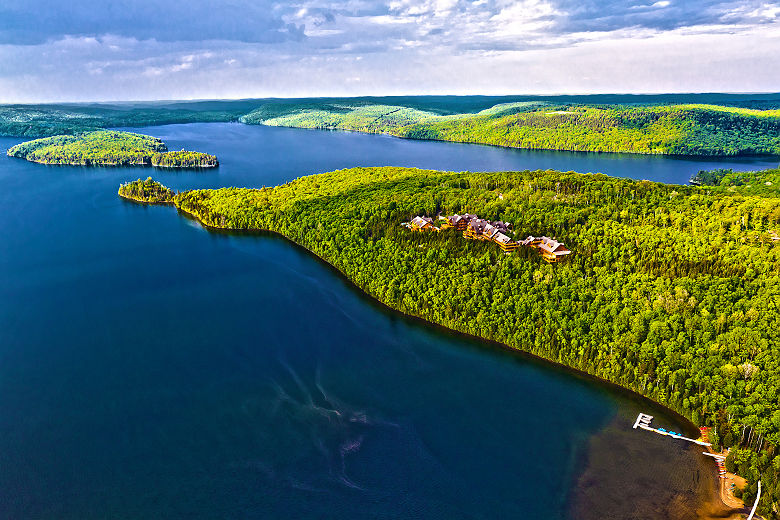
(502, 238)
(553, 246)
(422, 221)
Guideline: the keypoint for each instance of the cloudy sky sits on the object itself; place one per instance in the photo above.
(99, 50)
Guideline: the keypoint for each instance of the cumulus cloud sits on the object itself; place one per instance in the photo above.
(194, 48)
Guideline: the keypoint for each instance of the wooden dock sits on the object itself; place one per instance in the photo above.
(643, 421)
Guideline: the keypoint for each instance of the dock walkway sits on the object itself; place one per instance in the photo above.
(643, 421)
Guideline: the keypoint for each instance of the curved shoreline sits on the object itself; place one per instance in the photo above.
(713, 504)
(530, 149)
(118, 165)
(580, 374)
(145, 202)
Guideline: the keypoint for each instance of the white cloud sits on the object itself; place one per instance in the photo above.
(435, 46)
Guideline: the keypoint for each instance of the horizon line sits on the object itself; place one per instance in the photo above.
(557, 94)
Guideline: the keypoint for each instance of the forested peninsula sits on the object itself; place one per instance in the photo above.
(684, 124)
(669, 130)
(671, 291)
(109, 148)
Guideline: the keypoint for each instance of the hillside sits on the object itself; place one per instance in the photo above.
(331, 116)
(672, 130)
(665, 129)
(693, 124)
(670, 291)
(108, 148)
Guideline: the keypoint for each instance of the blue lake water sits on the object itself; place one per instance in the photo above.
(151, 369)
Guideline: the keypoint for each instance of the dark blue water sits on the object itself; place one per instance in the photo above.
(253, 156)
(151, 369)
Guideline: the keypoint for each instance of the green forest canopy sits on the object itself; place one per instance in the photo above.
(148, 191)
(672, 291)
(704, 124)
(108, 147)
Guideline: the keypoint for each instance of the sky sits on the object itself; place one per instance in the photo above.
(107, 50)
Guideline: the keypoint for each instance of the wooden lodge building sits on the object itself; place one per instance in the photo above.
(475, 228)
(422, 224)
(552, 250)
(457, 222)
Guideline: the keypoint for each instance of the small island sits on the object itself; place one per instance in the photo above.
(147, 192)
(109, 148)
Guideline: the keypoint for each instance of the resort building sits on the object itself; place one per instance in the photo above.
(476, 228)
(505, 243)
(458, 222)
(552, 250)
(531, 241)
(422, 224)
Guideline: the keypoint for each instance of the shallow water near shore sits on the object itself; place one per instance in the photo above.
(151, 369)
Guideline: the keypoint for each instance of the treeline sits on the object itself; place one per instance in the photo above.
(105, 147)
(765, 182)
(184, 159)
(646, 129)
(665, 128)
(672, 291)
(347, 116)
(49, 120)
(148, 191)
(672, 130)
(91, 148)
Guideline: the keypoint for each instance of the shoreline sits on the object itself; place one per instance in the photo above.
(714, 506)
(117, 165)
(503, 347)
(711, 508)
(145, 202)
(527, 148)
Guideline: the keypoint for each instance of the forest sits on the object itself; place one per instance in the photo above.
(645, 129)
(685, 124)
(763, 182)
(669, 130)
(106, 147)
(671, 291)
(184, 159)
(148, 191)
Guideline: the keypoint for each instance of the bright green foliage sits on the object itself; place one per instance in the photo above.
(326, 116)
(765, 182)
(148, 191)
(91, 148)
(677, 130)
(667, 129)
(672, 291)
(543, 123)
(105, 147)
(184, 159)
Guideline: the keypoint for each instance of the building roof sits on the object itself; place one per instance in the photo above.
(422, 221)
(552, 246)
(502, 226)
(502, 238)
(478, 224)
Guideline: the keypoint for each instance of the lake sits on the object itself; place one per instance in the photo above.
(152, 369)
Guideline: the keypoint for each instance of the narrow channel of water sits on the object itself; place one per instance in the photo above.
(149, 368)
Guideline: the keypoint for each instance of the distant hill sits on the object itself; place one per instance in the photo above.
(673, 124)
